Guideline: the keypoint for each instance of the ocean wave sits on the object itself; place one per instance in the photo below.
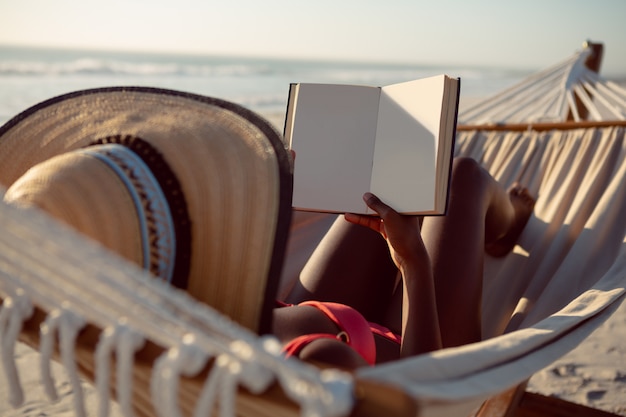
(236, 69)
(28, 76)
(293, 71)
(92, 66)
(262, 101)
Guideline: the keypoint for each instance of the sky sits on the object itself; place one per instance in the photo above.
(528, 34)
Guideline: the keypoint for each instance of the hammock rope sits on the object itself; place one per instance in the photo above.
(82, 285)
(13, 312)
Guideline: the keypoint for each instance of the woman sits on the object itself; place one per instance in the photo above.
(436, 300)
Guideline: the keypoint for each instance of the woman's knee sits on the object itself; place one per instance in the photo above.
(464, 167)
(468, 176)
(469, 181)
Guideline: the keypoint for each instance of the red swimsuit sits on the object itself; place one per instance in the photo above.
(356, 332)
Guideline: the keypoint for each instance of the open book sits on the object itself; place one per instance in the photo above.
(395, 141)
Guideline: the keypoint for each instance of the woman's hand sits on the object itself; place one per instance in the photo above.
(401, 232)
(420, 320)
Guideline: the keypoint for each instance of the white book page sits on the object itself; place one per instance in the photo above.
(333, 136)
(405, 155)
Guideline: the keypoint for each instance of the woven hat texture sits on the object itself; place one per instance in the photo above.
(196, 190)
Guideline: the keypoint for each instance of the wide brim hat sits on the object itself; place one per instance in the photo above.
(195, 189)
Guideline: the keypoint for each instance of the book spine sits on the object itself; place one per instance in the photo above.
(454, 124)
(290, 114)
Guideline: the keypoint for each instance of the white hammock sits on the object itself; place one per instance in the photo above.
(564, 278)
(574, 249)
(557, 286)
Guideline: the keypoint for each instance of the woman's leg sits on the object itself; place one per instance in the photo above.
(480, 213)
(351, 266)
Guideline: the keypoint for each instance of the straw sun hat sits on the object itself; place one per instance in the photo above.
(194, 189)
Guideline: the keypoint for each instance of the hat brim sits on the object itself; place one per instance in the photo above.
(238, 148)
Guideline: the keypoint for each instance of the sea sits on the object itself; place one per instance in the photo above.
(30, 75)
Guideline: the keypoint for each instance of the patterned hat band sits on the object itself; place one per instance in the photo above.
(156, 226)
(120, 191)
(154, 190)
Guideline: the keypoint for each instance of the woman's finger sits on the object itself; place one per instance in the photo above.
(373, 223)
(375, 204)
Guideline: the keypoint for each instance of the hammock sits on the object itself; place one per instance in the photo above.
(566, 247)
(565, 277)
(569, 90)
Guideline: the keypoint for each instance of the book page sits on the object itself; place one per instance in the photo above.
(405, 158)
(333, 134)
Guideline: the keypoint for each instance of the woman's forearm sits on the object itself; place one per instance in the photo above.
(420, 321)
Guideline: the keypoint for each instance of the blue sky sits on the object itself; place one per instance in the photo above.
(529, 34)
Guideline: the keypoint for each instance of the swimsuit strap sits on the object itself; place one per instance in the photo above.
(385, 332)
(356, 329)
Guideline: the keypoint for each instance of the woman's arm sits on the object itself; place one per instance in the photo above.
(420, 322)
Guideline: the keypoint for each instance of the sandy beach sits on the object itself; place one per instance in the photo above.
(594, 373)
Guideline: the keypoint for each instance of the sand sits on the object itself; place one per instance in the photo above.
(594, 373)
(36, 403)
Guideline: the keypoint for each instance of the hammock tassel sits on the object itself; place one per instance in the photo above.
(67, 324)
(15, 310)
(187, 359)
(126, 343)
